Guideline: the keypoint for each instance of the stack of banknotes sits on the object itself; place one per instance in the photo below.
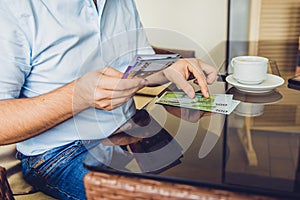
(145, 65)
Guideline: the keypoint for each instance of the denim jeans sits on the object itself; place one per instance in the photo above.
(59, 172)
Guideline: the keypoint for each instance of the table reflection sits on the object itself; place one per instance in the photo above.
(187, 114)
(251, 105)
(260, 156)
(254, 149)
(142, 142)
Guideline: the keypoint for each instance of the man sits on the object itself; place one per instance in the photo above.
(61, 86)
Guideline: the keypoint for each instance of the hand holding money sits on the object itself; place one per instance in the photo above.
(158, 69)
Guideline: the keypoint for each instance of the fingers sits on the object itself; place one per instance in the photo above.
(109, 71)
(116, 84)
(210, 71)
(103, 94)
(180, 81)
(109, 96)
(111, 79)
(204, 74)
(105, 89)
(179, 72)
(196, 69)
(110, 104)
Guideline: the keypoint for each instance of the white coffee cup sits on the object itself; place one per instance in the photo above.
(250, 69)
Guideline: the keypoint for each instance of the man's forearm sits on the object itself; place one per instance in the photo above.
(23, 118)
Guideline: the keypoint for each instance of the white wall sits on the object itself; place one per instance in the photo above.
(187, 24)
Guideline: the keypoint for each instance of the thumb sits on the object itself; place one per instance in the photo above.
(109, 71)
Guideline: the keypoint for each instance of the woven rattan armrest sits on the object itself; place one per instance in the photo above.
(100, 185)
(5, 191)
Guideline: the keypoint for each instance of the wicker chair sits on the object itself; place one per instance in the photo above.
(5, 191)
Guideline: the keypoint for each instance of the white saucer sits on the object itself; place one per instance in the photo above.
(267, 85)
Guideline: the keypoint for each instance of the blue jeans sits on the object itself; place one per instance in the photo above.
(59, 172)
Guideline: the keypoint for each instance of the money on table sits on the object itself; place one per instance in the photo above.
(218, 103)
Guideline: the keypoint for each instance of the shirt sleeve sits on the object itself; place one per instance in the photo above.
(14, 55)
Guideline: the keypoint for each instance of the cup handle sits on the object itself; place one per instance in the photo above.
(232, 62)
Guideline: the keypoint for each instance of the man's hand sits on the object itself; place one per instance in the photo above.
(105, 89)
(179, 72)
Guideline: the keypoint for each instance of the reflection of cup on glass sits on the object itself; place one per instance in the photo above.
(249, 109)
(250, 69)
(252, 105)
(268, 98)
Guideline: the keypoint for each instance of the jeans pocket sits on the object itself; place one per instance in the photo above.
(34, 161)
(30, 165)
(57, 160)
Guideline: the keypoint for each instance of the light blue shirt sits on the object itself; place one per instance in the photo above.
(46, 44)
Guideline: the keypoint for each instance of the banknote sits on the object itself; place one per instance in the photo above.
(218, 103)
(145, 65)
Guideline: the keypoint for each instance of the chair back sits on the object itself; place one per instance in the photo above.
(5, 191)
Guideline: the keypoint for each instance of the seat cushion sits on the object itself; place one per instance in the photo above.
(20, 188)
(14, 171)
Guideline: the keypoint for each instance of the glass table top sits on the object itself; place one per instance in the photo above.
(254, 149)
